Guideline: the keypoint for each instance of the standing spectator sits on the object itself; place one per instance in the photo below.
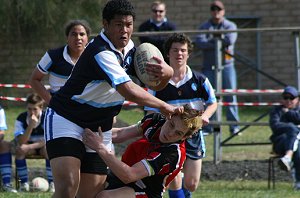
(58, 63)
(150, 163)
(187, 87)
(206, 42)
(157, 22)
(285, 122)
(5, 156)
(91, 98)
(29, 138)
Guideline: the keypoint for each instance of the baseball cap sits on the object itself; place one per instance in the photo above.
(218, 4)
(291, 90)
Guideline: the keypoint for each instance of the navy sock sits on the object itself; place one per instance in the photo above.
(5, 167)
(176, 193)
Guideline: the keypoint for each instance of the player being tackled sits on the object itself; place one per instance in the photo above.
(149, 164)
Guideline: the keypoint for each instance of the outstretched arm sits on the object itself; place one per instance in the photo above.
(135, 93)
(123, 134)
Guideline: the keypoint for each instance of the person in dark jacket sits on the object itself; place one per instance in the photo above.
(157, 22)
(285, 122)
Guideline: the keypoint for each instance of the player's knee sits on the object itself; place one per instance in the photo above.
(191, 185)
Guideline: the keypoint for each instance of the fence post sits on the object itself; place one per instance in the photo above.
(218, 84)
(297, 56)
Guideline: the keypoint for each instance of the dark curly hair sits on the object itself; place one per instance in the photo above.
(117, 7)
(73, 23)
(178, 38)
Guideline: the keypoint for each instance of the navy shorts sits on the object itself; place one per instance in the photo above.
(65, 146)
(195, 146)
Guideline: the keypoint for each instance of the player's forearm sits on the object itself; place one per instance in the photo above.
(120, 135)
(210, 110)
(135, 93)
(22, 139)
(41, 90)
(119, 168)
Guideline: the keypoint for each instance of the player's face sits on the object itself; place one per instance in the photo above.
(119, 30)
(77, 39)
(178, 55)
(158, 12)
(289, 101)
(173, 130)
(34, 109)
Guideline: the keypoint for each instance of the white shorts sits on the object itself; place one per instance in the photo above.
(57, 126)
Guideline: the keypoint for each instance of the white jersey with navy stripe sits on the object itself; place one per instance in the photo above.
(89, 98)
(58, 64)
(194, 89)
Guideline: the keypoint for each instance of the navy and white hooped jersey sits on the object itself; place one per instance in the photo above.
(21, 125)
(3, 125)
(194, 89)
(89, 98)
(58, 64)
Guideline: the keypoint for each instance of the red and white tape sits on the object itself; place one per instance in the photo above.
(128, 103)
(13, 98)
(18, 86)
(252, 90)
(249, 103)
(223, 90)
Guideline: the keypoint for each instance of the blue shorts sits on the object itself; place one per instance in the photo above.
(195, 146)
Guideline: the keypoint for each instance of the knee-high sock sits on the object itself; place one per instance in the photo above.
(5, 167)
(176, 193)
(22, 170)
(187, 193)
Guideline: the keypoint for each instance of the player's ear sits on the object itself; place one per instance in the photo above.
(105, 23)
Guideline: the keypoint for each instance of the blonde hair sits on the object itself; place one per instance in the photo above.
(192, 119)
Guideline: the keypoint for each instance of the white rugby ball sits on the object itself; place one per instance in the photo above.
(144, 53)
(40, 184)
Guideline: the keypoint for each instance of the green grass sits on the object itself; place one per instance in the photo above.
(207, 189)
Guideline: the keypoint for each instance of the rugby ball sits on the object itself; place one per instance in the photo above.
(40, 184)
(144, 53)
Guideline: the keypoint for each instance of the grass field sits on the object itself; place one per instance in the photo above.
(207, 189)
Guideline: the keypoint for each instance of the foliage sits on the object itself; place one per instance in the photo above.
(29, 18)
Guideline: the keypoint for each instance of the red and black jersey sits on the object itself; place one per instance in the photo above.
(163, 161)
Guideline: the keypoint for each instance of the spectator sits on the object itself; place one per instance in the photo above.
(158, 22)
(29, 138)
(150, 163)
(58, 63)
(285, 122)
(92, 96)
(187, 87)
(5, 156)
(206, 42)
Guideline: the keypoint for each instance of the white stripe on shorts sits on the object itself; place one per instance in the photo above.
(57, 126)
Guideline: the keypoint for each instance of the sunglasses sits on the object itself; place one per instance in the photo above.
(288, 97)
(155, 11)
(215, 8)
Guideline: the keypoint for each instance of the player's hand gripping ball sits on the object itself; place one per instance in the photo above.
(144, 53)
(40, 184)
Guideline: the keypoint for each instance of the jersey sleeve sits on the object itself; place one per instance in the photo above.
(44, 64)
(108, 63)
(19, 129)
